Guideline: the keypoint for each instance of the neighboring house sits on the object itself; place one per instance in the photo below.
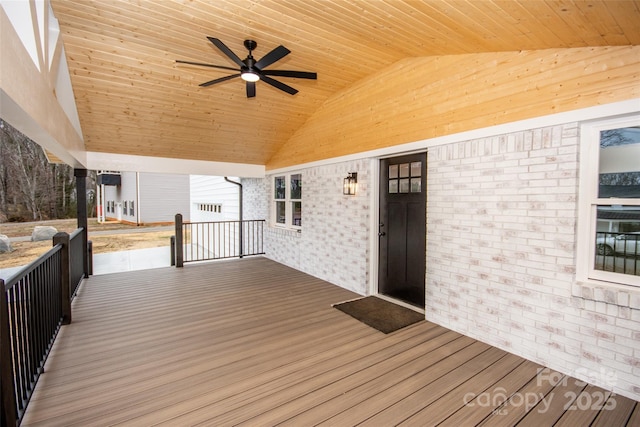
(155, 198)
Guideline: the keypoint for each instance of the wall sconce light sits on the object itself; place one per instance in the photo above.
(350, 184)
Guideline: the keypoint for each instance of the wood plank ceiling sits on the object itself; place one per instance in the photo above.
(133, 98)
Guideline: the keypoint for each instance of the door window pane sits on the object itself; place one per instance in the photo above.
(416, 168)
(404, 170)
(416, 185)
(393, 186)
(393, 171)
(404, 185)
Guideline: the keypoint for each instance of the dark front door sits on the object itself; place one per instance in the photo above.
(402, 228)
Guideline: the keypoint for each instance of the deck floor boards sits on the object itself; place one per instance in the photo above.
(252, 342)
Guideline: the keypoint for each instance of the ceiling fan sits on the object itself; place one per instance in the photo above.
(251, 70)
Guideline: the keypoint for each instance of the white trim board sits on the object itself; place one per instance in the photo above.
(131, 163)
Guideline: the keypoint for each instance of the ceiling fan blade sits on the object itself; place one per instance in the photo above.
(217, 43)
(222, 67)
(287, 73)
(220, 80)
(251, 89)
(273, 56)
(278, 85)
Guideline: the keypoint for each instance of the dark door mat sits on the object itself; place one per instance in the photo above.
(380, 314)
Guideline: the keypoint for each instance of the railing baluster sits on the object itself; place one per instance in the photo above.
(202, 247)
(187, 241)
(217, 248)
(199, 228)
(224, 236)
(23, 331)
(208, 237)
(220, 240)
(192, 251)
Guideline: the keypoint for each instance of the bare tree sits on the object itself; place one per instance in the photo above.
(31, 188)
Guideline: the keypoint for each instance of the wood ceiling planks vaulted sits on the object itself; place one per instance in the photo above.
(133, 98)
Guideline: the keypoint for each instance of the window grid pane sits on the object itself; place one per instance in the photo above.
(280, 190)
(296, 186)
(296, 217)
(281, 217)
(618, 168)
(618, 240)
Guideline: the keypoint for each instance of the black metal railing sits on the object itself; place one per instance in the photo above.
(34, 304)
(618, 252)
(204, 241)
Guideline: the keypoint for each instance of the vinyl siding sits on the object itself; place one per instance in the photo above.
(162, 196)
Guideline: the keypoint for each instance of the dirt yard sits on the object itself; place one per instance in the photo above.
(120, 240)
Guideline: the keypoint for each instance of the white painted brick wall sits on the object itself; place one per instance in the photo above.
(334, 241)
(501, 221)
(255, 198)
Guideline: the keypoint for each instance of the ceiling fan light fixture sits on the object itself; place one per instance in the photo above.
(249, 76)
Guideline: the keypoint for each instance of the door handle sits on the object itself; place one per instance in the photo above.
(382, 233)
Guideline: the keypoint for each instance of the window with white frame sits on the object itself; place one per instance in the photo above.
(287, 201)
(609, 216)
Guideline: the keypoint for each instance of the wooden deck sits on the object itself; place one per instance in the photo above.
(251, 342)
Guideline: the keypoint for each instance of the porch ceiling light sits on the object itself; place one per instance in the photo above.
(249, 76)
(350, 184)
